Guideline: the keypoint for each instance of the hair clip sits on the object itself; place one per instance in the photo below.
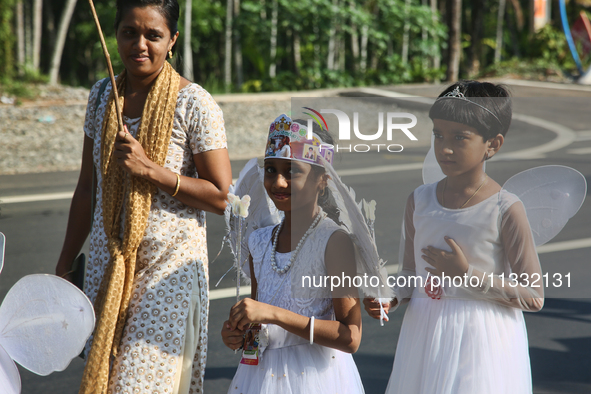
(455, 93)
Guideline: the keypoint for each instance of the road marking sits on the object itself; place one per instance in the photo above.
(392, 269)
(36, 197)
(579, 151)
(584, 135)
(218, 294)
(545, 85)
(565, 245)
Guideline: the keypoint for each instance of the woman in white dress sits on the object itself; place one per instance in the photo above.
(469, 261)
(147, 272)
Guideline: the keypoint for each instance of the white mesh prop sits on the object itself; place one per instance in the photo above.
(261, 213)
(367, 257)
(551, 196)
(10, 380)
(44, 323)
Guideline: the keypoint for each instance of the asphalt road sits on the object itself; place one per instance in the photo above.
(559, 335)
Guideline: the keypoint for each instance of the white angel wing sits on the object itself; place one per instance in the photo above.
(2, 243)
(261, 213)
(44, 323)
(10, 379)
(551, 196)
(367, 258)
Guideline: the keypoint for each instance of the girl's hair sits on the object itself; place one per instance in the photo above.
(469, 109)
(326, 201)
(169, 9)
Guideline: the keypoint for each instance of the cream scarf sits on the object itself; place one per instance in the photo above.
(117, 284)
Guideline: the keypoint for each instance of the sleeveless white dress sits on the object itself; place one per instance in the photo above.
(462, 343)
(290, 365)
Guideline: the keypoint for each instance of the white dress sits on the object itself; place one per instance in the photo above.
(164, 343)
(469, 341)
(290, 365)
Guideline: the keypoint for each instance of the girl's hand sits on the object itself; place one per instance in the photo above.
(452, 264)
(232, 337)
(372, 307)
(130, 154)
(248, 311)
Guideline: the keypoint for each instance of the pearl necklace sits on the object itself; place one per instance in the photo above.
(319, 216)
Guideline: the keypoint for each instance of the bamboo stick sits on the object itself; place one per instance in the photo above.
(109, 66)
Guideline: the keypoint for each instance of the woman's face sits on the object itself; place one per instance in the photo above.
(143, 41)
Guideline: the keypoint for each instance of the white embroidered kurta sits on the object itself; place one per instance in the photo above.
(164, 344)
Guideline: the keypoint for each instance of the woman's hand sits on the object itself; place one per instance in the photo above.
(248, 311)
(452, 264)
(130, 154)
(372, 307)
(232, 337)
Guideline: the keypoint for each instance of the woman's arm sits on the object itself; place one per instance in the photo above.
(208, 192)
(80, 213)
(343, 334)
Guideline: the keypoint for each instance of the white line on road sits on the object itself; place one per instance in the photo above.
(579, 151)
(36, 197)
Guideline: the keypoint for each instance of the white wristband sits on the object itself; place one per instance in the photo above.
(311, 330)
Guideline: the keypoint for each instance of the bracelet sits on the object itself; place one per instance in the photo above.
(311, 330)
(178, 185)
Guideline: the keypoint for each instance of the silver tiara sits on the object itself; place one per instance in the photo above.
(456, 94)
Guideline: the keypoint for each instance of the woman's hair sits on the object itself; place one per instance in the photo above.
(326, 201)
(485, 106)
(169, 9)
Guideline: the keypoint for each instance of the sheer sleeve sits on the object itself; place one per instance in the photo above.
(406, 256)
(522, 288)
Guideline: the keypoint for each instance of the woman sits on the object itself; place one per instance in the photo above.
(147, 272)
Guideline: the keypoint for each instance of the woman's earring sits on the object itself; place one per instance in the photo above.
(486, 156)
(170, 54)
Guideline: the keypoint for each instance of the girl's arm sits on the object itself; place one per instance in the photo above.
(79, 217)
(233, 337)
(525, 289)
(407, 256)
(343, 334)
(522, 289)
(208, 192)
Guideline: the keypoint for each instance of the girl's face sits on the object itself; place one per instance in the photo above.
(291, 184)
(458, 147)
(143, 41)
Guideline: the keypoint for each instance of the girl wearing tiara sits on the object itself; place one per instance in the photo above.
(467, 337)
(305, 342)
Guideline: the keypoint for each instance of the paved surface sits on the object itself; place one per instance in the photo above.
(559, 335)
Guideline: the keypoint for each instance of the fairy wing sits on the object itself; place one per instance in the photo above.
(2, 243)
(261, 213)
(551, 196)
(367, 258)
(10, 379)
(44, 323)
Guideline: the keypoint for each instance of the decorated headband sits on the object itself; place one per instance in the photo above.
(287, 140)
(456, 94)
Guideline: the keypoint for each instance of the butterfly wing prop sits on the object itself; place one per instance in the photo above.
(44, 323)
(2, 243)
(551, 196)
(10, 380)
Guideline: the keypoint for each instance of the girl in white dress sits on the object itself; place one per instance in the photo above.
(467, 334)
(311, 332)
